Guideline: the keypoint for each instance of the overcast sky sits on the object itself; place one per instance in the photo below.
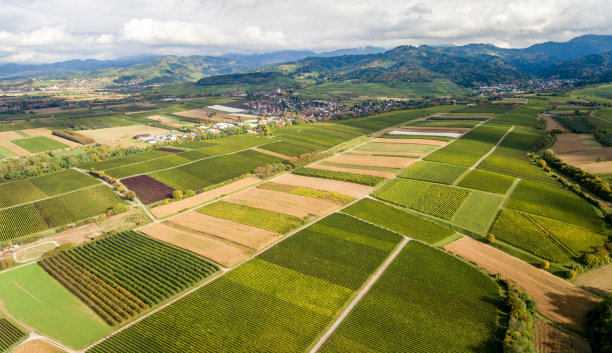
(56, 30)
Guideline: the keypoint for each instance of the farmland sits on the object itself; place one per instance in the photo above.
(434, 172)
(369, 180)
(479, 179)
(9, 335)
(39, 144)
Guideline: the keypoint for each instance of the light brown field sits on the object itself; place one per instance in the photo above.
(251, 237)
(597, 280)
(37, 346)
(353, 170)
(434, 129)
(372, 161)
(203, 113)
(377, 153)
(557, 299)
(276, 154)
(412, 141)
(342, 187)
(585, 157)
(122, 132)
(293, 205)
(549, 339)
(9, 135)
(552, 124)
(575, 143)
(589, 141)
(597, 168)
(216, 250)
(166, 210)
(48, 133)
(164, 120)
(76, 235)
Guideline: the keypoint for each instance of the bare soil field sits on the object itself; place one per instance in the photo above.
(575, 142)
(411, 141)
(174, 207)
(76, 235)
(276, 154)
(280, 202)
(251, 237)
(48, 133)
(9, 135)
(37, 346)
(549, 339)
(597, 280)
(589, 141)
(552, 124)
(434, 129)
(377, 153)
(557, 299)
(584, 157)
(206, 113)
(373, 161)
(6, 136)
(216, 250)
(353, 170)
(148, 189)
(164, 120)
(122, 132)
(597, 168)
(342, 187)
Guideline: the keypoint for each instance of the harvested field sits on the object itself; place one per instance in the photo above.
(396, 147)
(148, 189)
(589, 141)
(48, 133)
(597, 280)
(342, 187)
(574, 143)
(165, 120)
(549, 339)
(171, 150)
(557, 299)
(434, 129)
(122, 132)
(585, 157)
(279, 155)
(208, 247)
(37, 346)
(14, 148)
(166, 210)
(552, 124)
(353, 170)
(251, 237)
(378, 153)
(293, 205)
(372, 161)
(597, 168)
(9, 135)
(411, 141)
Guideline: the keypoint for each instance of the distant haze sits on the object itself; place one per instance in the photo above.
(38, 31)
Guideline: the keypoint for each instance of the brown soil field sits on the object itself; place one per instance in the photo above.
(552, 124)
(597, 168)
(584, 157)
(549, 339)
(353, 170)
(434, 129)
(216, 250)
(148, 189)
(122, 132)
(9, 135)
(202, 113)
(76, 235)
(589, 141)
(174, 207)
(48, 133)
(377, 153)
(164, 120)
(37, 346)
(276, 154)
(597, 280)
(293, 205)
(342, 187)
(372, 161)
(412, 141)
(251, 237)
(567, 143)
(557, 299)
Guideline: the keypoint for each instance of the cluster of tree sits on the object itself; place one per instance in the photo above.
(6, 263)
(270, 170)
(600, 328)
(230, 79)
(519, 336)
(74, 136)
(127, 194)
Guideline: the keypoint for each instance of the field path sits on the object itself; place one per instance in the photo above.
(362, 292)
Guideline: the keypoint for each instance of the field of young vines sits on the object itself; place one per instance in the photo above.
(434, 172)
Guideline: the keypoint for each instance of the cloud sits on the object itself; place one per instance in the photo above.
(50, 30)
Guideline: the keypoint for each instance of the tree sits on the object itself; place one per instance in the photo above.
(544, 264)
(177, 195)
(490, 238)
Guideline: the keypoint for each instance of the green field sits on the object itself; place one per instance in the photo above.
(479, 179)
(364, 179)
(434, 172)
(35, 299)
(478, 212)
(419, 137)
(39, 144)
(255, 307)
(601, 94)
(399, 221)
(287, 148)
(6, 153)
(272, 221)
(426, 301)
(434, 199)
(330, 196)
(447, 123)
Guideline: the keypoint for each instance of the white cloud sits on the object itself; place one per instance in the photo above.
(47, 30)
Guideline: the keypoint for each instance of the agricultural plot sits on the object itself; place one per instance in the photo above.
(254, 307)
(418, 137)
(554, 202)
(318, 136)
(549, 239)
(409, 307)
(369, 180)
(341, 187)
(372, 161)
(448, 123)
(434, 199)
(382, 172)
(292, 205)
(286, 148)
(396, 147)
(6, 153)
(9, 335)
(123, 161)
(165, 162)
(478, 212)
(399, 221)
(148, 189)
(318, 194)
(483, 180)
(39, 144)
(434, 172)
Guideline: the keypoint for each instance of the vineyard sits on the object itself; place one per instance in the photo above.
(483, 180)
(330, 196)
(434, 172)
(370, 180)
(478, 212)
(287, 148)
(9, 335)
(410, 307)
(399, 221)
(254, 307)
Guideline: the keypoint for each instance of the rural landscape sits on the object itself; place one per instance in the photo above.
(430, 198)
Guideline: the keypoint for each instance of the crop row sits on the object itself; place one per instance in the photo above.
(434, 172)
(479, 179)
(151, 270)
(478, 212)
(9, 335)
(363, 179)
(113, 304)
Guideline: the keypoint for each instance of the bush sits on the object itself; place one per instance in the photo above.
(177, 194)
(190, 193)
(119, 208)
(490, 238)
(571, 274)
(6, 263)
(544, 264)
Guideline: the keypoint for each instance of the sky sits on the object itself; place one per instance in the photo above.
(40, 31)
